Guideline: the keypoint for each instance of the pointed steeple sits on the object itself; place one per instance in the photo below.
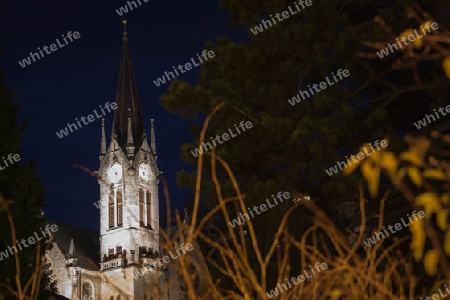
(127, 100)
(72, 252)
(152, 137)
(72, 256)
(103, 143)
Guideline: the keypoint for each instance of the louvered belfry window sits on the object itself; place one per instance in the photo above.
(111, 209)
(141, 206)
(119, 208)
(149, 199)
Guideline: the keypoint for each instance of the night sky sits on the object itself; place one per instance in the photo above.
(75, 79)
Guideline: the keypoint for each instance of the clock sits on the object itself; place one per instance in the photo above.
(115, 173)
(145, 173)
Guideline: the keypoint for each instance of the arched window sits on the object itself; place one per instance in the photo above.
(88, 290)
(119, 208)
(141, 206)
(111, 298)
(111, 209)
(118, 297)
(149, 199)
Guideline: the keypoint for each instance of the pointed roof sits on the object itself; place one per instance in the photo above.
(127, 99)
(72, 252)
(76, 241)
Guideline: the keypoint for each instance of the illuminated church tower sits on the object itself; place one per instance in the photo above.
(128, 178)
(123, 260)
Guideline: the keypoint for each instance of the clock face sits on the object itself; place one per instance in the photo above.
(145, 172)
(115, 173)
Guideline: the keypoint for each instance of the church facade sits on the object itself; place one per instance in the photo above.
(123, 261)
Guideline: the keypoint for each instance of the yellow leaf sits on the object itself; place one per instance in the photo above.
(414, 174)
(350, 167)
(445, 198)
(434, 174)
(442, 219)
(430, 202)
(418, 238)
(412, 157)
(446, 66)
(335, 294)
(389, 162)
(401, 174)
(447, 243)
(417, 43)
(376, 156)
(417, 227)
(372, 175)
(430, 262)
(348, 281)
(406, 33)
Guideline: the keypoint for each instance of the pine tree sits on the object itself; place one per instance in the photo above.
(21, 184)
(290, 147)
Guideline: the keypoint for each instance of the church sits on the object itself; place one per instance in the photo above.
(125, 260)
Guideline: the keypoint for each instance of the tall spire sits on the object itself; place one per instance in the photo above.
(103, 143)
(152, 137)
(130, 142)
(127, 99)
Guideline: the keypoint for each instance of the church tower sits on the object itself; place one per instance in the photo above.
(128, 179)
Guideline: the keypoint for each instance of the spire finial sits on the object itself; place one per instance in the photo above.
(124, 22)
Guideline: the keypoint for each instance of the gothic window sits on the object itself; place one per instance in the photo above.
(119, 208)
(149, 198)
(141, 206)
(88, 290)
(111, 209)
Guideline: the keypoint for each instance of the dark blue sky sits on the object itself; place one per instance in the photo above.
(74, 80)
